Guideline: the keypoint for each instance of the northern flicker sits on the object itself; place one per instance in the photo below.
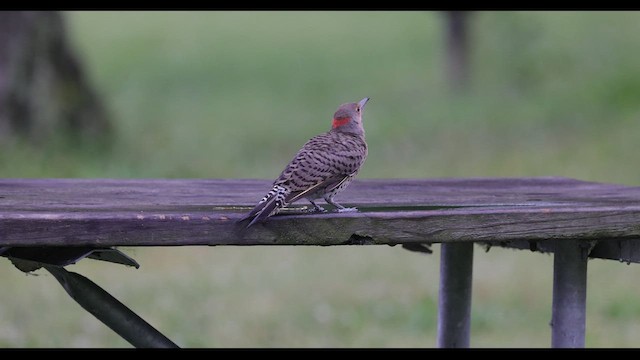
(323, 167)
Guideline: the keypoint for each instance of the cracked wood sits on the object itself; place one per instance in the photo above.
(166, 212)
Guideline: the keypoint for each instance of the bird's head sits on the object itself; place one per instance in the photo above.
(348, 117)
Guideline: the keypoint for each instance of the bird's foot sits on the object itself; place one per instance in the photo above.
(346, 209)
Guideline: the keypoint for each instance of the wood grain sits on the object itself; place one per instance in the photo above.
(168, 212)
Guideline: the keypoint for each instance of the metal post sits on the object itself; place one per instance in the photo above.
(454, 304)
(569, 294)
(109, 310)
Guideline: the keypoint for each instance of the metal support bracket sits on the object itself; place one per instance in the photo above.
(85, 292)
(568, 317)
(454, 308)
(109, 310)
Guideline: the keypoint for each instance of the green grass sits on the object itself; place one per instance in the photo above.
(314, 297)
(235, 94)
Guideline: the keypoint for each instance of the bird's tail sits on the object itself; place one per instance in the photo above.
(269, 205)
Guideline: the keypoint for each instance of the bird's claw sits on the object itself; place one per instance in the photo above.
(347, 210)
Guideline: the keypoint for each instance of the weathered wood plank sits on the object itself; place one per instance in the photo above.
(158, 212)
(622, 250)
(114, 194)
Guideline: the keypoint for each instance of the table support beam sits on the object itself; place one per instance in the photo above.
(454, 303)
(109, 310)
(568, 318)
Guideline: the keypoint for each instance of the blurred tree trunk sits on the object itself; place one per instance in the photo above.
(44, 92)
(457, 43)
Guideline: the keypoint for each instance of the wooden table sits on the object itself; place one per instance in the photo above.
(54, 222)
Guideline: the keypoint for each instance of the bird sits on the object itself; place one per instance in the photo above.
(324, 166)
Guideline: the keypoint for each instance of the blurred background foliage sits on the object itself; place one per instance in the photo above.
(235, 94)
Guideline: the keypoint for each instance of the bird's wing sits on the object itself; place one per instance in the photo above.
(323, 162)
(329, 184)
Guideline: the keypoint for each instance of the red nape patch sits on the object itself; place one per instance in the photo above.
(337, 122)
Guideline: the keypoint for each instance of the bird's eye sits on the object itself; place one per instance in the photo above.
(358, 109)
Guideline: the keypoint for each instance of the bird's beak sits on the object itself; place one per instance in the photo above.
(363, 102)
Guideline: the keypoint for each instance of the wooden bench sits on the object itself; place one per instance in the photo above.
(53, 222)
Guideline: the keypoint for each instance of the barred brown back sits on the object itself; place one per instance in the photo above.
(324, 166)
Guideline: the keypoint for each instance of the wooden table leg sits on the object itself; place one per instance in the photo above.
(454, 303)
